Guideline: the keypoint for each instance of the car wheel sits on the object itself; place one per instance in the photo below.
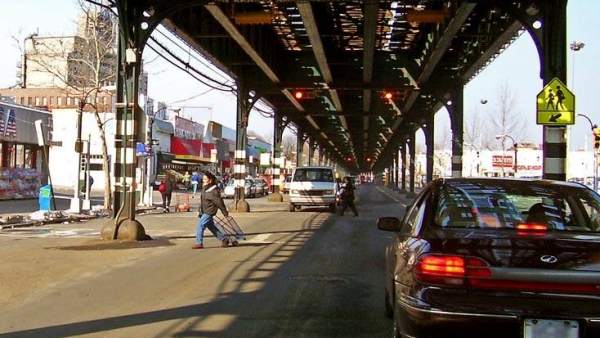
(292, 207)
(389, 307)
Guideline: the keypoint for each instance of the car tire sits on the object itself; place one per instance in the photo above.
(292, 207)
(389, 307)
(332, 208)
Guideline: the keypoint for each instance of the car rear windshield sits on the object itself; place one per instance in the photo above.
(313, 175)
(498, 205)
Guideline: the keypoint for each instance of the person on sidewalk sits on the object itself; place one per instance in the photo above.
(347, 196)
(166, 190)
(210, 203)
(195, 182)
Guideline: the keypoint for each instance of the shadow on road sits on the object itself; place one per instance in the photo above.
(291, 299)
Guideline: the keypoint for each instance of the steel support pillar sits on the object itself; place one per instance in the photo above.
(278, 127)
(311, 152)
(131, 41)
(403, 165)
(428, 130)
(244, 105)
(455, 107)
(398, 166)
(413, 156)
(553, 64)
(300, 138)
(320, 156)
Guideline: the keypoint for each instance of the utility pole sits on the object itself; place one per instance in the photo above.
(76, 200)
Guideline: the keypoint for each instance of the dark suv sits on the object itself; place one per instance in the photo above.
(496, 258)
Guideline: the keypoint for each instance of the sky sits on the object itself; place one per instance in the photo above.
(517, 68)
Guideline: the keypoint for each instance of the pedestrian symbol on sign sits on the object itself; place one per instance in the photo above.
(555, 104)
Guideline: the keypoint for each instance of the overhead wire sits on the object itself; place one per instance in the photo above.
(230, 89)
(189, 66)
(190, 54)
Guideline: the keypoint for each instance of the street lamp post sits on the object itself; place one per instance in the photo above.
(575, 46)
(504, 137)
(595, 166)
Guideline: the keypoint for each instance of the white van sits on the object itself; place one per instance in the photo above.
(312, 186)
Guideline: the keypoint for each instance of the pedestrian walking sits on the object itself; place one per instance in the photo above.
(347, 196)
(166, 190)
(210, 203)
(195, 182)
(560, 98)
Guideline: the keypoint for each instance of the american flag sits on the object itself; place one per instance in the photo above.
(2, 121)
(11, 124)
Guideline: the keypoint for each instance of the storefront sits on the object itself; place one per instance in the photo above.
(22, 169)
(188, 156)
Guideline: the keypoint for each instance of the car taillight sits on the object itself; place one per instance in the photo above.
(525, 229)
(450, 269)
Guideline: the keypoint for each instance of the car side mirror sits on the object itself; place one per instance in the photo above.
(388, 223)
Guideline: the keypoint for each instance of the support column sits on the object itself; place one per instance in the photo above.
(553, 64)
(311, 152)
(278, 127)
(397, 157)
(403, 165)
(320, 156)
(428, 130)
(132, 39)
(456, 120)
(412, 155)
(244, 105)
(299, 146)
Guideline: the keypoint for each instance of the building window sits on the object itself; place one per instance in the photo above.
(59, 101)
(29, 101)
(37, 101)
(20, 156)
(44, 101)
(69, 101)
(22, 100)
(51, 100)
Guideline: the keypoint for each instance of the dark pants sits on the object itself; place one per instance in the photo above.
(166, 197)
(346, 204)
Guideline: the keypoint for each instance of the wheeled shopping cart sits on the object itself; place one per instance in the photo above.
(230, 228)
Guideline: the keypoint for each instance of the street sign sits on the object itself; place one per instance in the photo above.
(555, 104)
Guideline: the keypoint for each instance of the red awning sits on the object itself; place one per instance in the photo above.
(186, 149)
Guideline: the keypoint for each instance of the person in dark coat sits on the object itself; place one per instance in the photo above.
(166, 191)
(347, 197)
(210, 203)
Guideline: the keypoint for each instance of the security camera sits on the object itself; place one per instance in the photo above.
(483, 101)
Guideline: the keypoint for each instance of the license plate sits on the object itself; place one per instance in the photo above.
(544, 328)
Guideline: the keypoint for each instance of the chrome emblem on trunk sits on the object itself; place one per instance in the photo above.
(548, 259)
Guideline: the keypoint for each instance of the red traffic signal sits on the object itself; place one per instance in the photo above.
(298, 95)
(388, 95)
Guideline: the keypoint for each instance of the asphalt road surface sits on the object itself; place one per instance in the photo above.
(302, 274)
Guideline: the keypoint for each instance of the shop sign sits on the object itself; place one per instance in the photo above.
(499, 161)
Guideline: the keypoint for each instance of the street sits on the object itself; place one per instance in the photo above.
(303, 274)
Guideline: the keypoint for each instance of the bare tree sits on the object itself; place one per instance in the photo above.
(476, 133)
(289, 147)
(505, 120)
(90, 69)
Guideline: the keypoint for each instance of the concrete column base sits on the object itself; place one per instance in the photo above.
(129, 230)
(242, 206)
(276, 197)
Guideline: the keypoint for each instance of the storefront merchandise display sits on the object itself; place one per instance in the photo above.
(19, 183)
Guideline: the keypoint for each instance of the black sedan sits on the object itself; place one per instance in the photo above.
(496, 258)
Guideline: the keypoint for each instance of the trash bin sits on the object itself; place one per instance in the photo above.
(45, 200)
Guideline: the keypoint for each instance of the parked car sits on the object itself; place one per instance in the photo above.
(262, 188)
(229, 191)
(312, 186)
(286, 184)
(495, 258)
(250, 188)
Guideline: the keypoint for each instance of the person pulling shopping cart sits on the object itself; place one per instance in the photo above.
(210, 203)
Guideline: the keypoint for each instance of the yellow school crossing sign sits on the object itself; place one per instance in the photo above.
(555, 104)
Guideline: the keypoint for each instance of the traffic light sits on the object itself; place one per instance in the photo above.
(298, 94)
(596, 138)
(388, 95)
